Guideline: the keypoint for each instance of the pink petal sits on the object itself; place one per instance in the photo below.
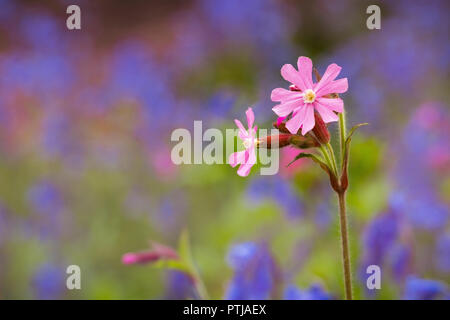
(285, 108)
(330, 74)
(242, 132)
(308, 122)
(250, 117)
(250, 161)
(296, 121)
(326, 114)
(280, 94)
(304, 65)
(130, 258)
(333, 104)
(337, 86)
(252, 155)
(236, 158)
(244, 170)
(289, 73)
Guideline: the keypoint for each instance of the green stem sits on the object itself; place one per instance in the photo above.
(199, 285)
(342, 134)
(333, 158)
(343, 216)
(345, 247)
(326, 156)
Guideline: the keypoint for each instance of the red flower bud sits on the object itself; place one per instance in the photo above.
(275, 141)
(285, 139)
(320, 129)
(158, 252)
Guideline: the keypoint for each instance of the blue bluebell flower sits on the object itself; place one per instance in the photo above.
(278, 190)
(179, 286)
(245, 20)
(314, 292)
(47, 203)
(49, 282)
(400, 259)
(443, 253)
(379, 237)
(254, 272)
(424, 289)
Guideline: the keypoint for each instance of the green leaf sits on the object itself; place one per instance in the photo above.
(172, 264)
(185, 263)
(307, 155)
(344, 176)
(184, 249)
(353, 129)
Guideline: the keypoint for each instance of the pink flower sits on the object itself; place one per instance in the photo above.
(247, 157)
(158, 252)
(309, 97)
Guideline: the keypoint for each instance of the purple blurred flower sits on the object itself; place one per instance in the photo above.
(245, 20)
(423, 289)
(169, 215)
(42, 32)
(8, 8)
(400, 259)
(57, 137)
(179, 286)
(379, 237)
(40, 74)
(315, 292)
(49, 282)
(324, 215)
(47, 202)
(408, 55)
(427, 129)
(254, 272)
(220, 105)
(280, 191)
(45, 198)
(443, 253)
(136, 75)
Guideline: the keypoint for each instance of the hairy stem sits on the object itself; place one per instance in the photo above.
(326, 156)
(333, 158)
(342, 134)
(345, 247)
(199, 285)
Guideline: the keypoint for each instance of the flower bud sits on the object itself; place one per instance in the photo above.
(320, 129)
(275, 141)
(285, 139)
(157, 252)
(281, 126)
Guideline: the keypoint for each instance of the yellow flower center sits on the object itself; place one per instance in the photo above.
(309, 96)
(248, 142)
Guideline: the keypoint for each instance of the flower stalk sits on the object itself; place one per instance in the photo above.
(345, 247)
(342, 211)
(303, 111)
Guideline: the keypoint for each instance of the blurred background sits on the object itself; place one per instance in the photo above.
(85, 170)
